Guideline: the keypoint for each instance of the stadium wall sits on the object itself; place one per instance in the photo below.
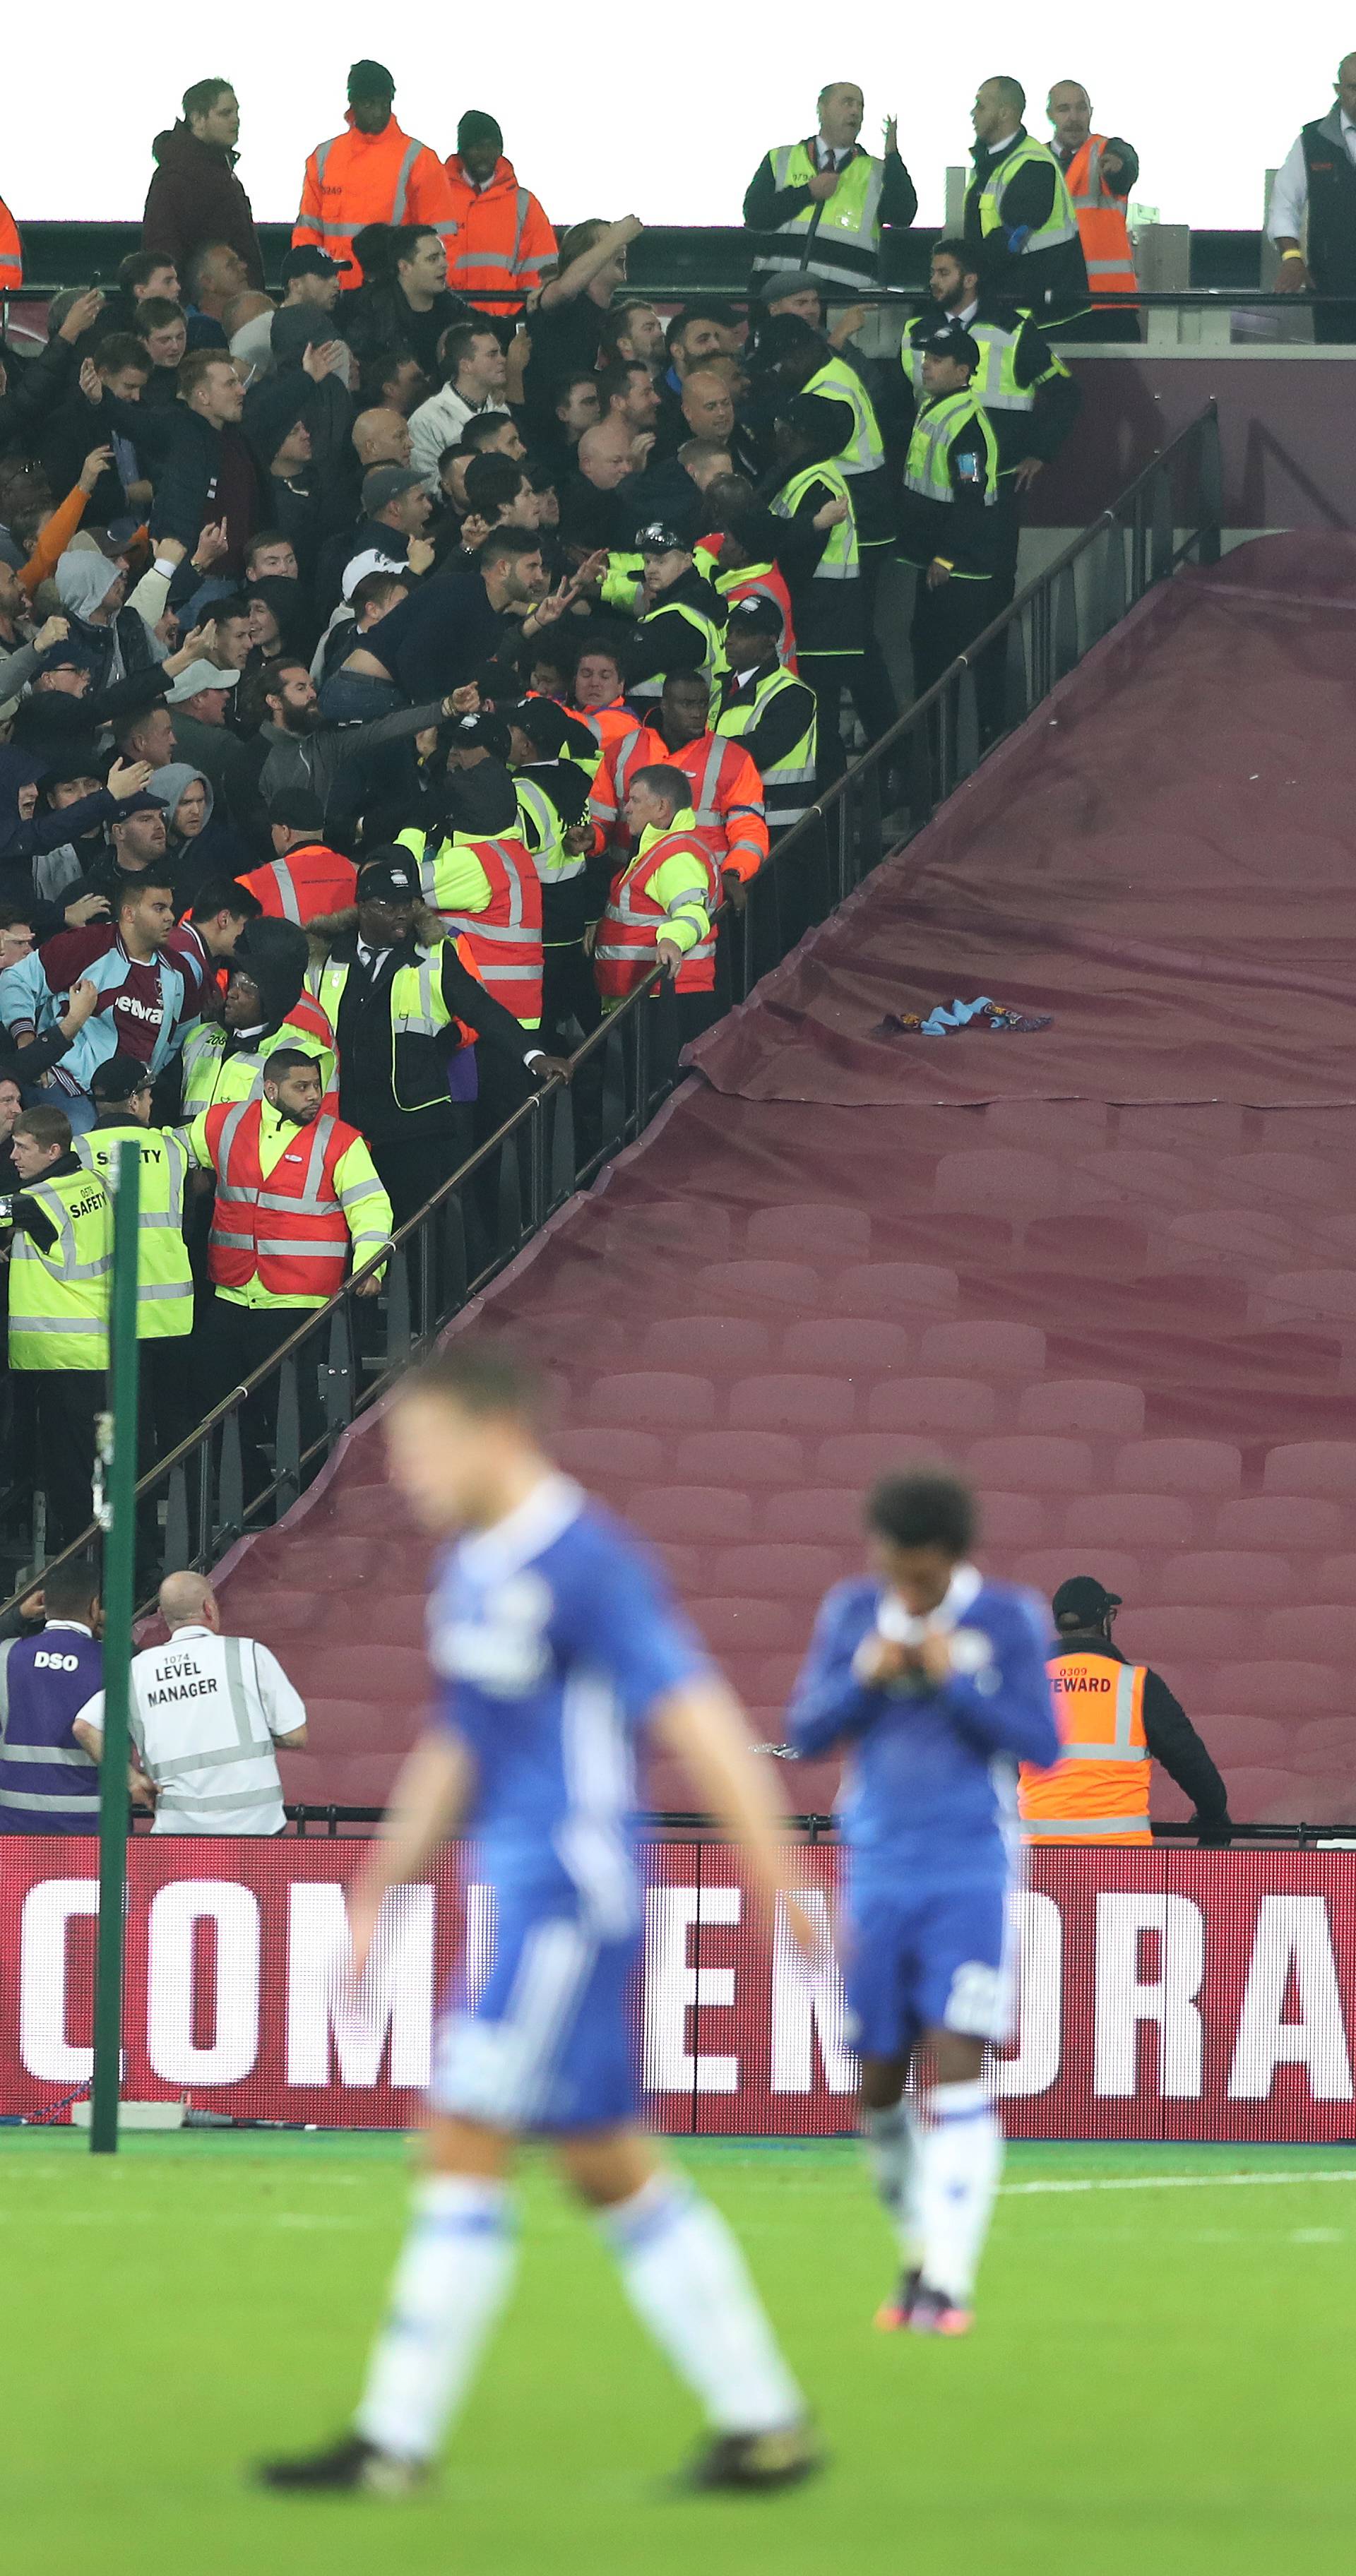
(1161, 1993)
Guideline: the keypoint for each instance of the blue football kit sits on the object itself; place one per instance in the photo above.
(929, 1804)
(553, 1636)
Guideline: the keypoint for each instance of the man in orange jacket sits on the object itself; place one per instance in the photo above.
(503, 238)
(373, 174)
(727, 792)
(304, 876)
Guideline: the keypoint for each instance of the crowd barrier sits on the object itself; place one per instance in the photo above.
(1159, 1992)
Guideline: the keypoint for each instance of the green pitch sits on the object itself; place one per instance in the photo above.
(1161, 2379)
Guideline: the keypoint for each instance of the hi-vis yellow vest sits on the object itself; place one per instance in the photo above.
(1098, 1791)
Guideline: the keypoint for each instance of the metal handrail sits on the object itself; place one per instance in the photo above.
(630, 1063)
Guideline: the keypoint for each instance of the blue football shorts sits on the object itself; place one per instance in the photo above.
(926, 1956)
(550, 2043)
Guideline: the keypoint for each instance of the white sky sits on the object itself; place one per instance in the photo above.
(1208, 106)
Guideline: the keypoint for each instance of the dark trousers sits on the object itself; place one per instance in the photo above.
(411, 1168)
(569, 994)
(65, 1402)
(237, 1341)
(872, 694)
(171, 1397)
(945, 620)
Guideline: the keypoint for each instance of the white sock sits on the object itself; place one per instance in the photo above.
(892, 2151)
(450, 2283)
(688, 2282)
(960, 2159)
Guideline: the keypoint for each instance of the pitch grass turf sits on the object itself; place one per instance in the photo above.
(1161, 2379)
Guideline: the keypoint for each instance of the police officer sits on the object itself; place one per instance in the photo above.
(206, 1713)
(121, 1090)
(402, 1001)
(48, 1785)
(771, 712)
(682, 618)
(59, 1243)
(1115, 1718)
(1019, 216)
(949, 521)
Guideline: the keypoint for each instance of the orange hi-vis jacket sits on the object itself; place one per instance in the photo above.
(358, 179)
(756, 581)
(635, 919)
(503, 940)
(288, 1228)
(1098, 1791)
(727, 799)
(311, 879)
(606, 724)
(638, 746)
(11, 252)
(503, 238)
(1101, 222)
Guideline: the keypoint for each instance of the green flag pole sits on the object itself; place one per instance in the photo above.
(116, 1507)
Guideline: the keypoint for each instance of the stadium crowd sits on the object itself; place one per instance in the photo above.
(393, 670)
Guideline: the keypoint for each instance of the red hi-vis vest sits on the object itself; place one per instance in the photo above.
(311, 879)
(286, 1227)
(505, 939)
(11, 253)
(1098, 1791)
(628, 933)
(1101, 222)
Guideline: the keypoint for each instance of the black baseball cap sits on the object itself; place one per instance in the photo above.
(484, 732)
(950, 340)
(118, 1077)
(312, 262)
(1082, 1602)
(388, 881)
(660, 539)
(757, 615)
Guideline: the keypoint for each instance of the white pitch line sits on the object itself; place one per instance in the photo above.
(1176, 2182)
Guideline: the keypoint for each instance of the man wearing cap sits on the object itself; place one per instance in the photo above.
(304, 876)
(770, 712)
(198, 703)
(121, 1092)
(815, 539)
(474, 378)
(372, 174)
(820, 205)
(724, 788)
(311, 283)
(390, 535)
(950, 530)
(503, 238)
(553, 755)
(402, 1000)
(1114, 1719)
(682, 616)
(266, 1005)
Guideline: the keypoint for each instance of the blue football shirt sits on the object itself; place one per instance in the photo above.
(553, 1635)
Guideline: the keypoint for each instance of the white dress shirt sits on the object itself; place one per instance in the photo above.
(1290, 191)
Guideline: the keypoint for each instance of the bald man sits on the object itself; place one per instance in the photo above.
(1100, 170)
(208, 1714)
(1316, 188)
(381, 437)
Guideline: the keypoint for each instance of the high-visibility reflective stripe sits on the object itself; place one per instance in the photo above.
(1061, 224)
(322, 154)
(58, 1326)
(402, 187)
(836, 381)
(35, 1802)
(704, 799)
(59, 1754)
(927, 466)
(287, 891)
(1067, 1829)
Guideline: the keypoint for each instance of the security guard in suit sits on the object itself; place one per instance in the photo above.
(1115, 1719)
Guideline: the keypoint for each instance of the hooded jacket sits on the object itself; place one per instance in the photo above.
(196, 197)
(212, 852)
(84, 578)
(504, 240)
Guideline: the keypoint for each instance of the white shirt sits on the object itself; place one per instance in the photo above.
(438, 423)
(204, 1713)
(1290, 191)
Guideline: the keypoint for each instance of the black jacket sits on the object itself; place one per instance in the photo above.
(1169, 1734)
(664, 640)
(188, 485)
(396, 1087)
(1054, 282)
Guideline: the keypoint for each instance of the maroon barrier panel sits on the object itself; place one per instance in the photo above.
(1162, 1993)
